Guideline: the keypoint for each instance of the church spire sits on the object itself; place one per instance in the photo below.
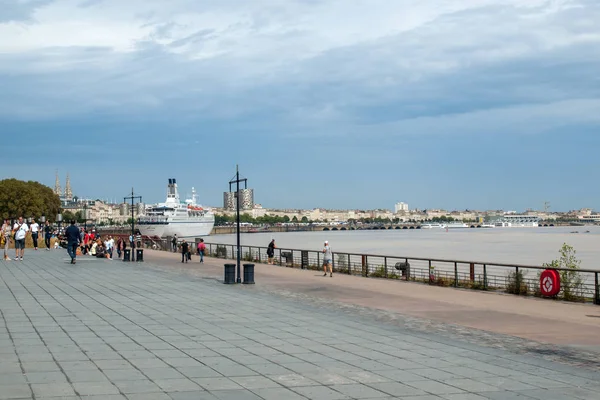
(68, 191)
(57, 188)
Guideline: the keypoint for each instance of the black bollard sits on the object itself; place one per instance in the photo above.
(248, 274)
(229, 278)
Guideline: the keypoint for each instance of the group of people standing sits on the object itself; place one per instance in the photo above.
(186, 252)
(19, 232)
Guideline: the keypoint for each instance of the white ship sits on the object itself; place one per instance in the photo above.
(456, 225)
(186, 220)
(431, 226)
(517, 221)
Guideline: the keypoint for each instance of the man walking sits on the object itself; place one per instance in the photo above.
(174, 243)
(201, 250)
(47, 235)
(184, 251)
(73, 237)
(20, 229)
(327, 259)
(35, 231)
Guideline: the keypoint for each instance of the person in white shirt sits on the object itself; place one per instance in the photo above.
(20, 230)
(35, 230)
(110, 245)
(327, 259)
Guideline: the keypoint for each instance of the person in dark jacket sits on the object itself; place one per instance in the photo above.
(185, 248)
(47, 235)
(73, 237)
(271, 251)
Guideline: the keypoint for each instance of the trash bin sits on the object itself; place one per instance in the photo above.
(229, 278)
(127, 255)
(139, 255)
(248, 274)
(289, 258)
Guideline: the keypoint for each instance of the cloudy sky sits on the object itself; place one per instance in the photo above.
(477, 104)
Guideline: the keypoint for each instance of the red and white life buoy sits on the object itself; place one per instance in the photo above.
(550, 283)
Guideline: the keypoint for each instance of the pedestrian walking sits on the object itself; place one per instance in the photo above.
(120, 247)
(327, 259)
(201, 250)
(5, 237)
(184, 251)
(34, 227)
(174, 243)
(138, 240)
(20, 231)
(110, 246)
(47, 235)
(73, 239)
(271, 251)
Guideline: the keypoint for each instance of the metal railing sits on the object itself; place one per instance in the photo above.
(511, 278)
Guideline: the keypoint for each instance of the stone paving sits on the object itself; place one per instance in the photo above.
(112, 330)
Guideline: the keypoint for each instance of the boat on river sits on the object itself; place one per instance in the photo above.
(187, 220)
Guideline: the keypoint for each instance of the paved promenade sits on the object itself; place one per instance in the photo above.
(162, 330)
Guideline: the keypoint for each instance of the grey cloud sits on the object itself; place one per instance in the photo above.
(403, 83)
(15, 10)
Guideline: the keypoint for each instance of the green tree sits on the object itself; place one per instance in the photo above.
(27, 199)
(571, 282)
(68, 216)
(295, 219)
(304, 220)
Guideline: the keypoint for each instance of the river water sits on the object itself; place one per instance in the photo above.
(530, 246)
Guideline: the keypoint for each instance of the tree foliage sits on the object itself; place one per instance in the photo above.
(27, 199)
(571, 282)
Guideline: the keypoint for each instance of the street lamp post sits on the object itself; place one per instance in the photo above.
(132, 198)
(59, 219)
(85, 215)
(236, 179)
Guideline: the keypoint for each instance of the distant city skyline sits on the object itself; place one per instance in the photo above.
(348, 105)
(154, 197)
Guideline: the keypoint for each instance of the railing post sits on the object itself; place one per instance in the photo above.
(472, 272)
(349, 272)
(518, 280)
(319, 260)
(259, 256)
(597, 296)
(280, 259)
(233, 255)
(431, 277)
(455, 274)
(292, 252)
(332, 262)
(484, 277)
(385, 266)
(407, 270)
(366, 266)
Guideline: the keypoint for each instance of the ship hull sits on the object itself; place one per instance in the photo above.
(183, 229)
